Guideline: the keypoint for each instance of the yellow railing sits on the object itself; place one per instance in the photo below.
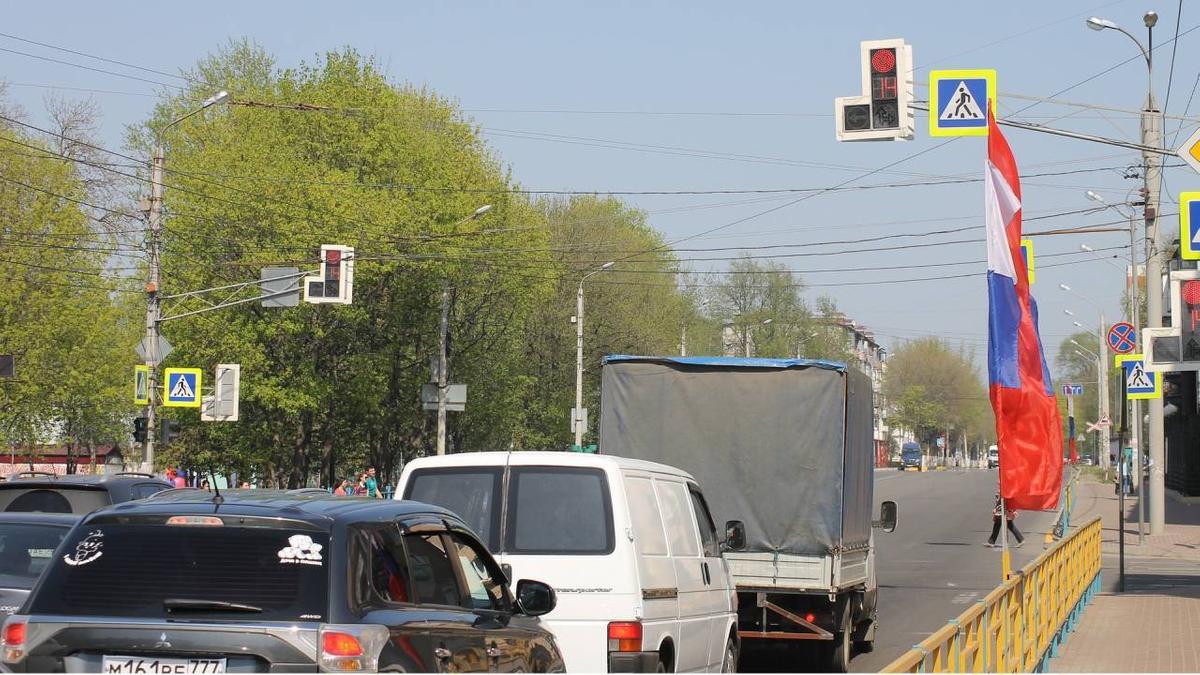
(1021, 624)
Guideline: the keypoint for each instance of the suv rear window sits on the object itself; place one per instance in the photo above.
(26, 549)
(15, 497)
(134, 569)
(471, 493)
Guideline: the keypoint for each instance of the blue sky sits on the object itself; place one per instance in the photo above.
(551, 81)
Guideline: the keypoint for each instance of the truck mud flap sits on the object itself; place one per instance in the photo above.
(806, 630)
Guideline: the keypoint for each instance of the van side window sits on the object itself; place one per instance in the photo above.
(643, 511)
(559, 510)
(708, 531)
(471, 492)
(676, 511)
(484, 591)
(434, 580)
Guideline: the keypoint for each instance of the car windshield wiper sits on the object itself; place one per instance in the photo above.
(188, 605)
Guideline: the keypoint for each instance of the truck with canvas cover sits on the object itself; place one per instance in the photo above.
(784, 449)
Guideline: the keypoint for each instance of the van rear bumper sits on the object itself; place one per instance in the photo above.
(632, 662)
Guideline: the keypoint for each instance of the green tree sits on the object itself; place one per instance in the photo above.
(933, 389)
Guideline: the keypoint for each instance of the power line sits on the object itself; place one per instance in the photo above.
(95, 70)
(98, 58)
(1174, 48)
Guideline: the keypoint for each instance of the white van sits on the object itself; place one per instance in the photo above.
(629, 546)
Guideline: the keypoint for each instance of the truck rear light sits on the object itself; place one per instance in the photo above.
(625, 636)
(351, 648)
(15, 630)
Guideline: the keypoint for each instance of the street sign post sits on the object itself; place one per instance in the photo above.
(958, 101)
(1122, 338)
(1189, 225)
(1140, 383)
(181, 388)
(1072, 390)
(882, 111)
(164, 349)
(456, 397)
(1190, 151)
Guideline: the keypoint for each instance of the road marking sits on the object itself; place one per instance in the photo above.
(964, 598)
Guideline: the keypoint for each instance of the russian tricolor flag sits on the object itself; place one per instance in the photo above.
(1028, 426)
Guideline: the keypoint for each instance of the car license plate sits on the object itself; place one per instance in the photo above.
(138, 665)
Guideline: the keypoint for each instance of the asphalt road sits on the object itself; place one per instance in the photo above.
(934, 565)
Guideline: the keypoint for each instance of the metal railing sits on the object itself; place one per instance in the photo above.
(1020, 625)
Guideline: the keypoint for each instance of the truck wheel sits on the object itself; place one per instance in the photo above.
(839, 651)
(730, 662)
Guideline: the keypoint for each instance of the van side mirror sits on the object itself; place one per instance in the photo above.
(887, 517)
(535, 598)
(735, 536)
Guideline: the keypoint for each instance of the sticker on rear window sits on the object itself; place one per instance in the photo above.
(301, 550)
(87, 550)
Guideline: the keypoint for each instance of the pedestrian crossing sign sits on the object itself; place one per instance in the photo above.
(181, 388)
(958, 101)
(1189, 225)
(1139, 382)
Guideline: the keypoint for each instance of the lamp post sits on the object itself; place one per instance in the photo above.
(577, 413)
(1102, 398)
(1151, 138)
(443, 369)
(748, 336)
(1103, 379)
(153, 283)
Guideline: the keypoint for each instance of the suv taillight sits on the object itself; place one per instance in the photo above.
(351, 648)
(625, 636)
(14, 639)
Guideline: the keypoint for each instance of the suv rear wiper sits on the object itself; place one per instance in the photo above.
(185, 605)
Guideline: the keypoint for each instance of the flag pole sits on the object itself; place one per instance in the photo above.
(1005, 556)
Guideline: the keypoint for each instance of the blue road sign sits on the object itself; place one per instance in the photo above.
(1072, 390)
(1139, 382)
(1122, 338)
(1189, 220)
(181, 388)
(959, 101)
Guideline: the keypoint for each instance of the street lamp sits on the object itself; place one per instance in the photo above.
(1151, 141)
(746, 342)
(1103, 381)
(153, 308)
(577, 413)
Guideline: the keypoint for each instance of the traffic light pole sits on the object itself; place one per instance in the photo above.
(441, 375)
(153, 307)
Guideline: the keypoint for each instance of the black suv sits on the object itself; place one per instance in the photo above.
(264, 580)
(40, 491)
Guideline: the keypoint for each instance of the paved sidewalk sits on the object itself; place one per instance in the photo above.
(1154, 626)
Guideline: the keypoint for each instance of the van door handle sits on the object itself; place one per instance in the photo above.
(707, 575)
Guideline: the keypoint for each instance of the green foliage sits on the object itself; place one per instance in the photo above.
(70, 323)
(932, 388)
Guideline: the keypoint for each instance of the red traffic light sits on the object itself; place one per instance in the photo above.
(883, 60)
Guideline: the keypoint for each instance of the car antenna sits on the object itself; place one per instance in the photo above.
(217, 498)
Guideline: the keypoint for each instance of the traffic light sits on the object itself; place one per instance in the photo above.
(168, 430)
(882, 111)
(334, 283)
(139, 429)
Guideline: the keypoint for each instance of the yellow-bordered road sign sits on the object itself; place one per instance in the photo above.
(181, 388)
(141, 385)
(1139, 382)
(1027, 253)
(1189, 225)
(1190, 151)
(958, 101)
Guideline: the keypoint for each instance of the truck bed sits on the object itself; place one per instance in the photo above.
(798, 573)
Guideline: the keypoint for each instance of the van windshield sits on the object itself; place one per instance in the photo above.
(188, 573)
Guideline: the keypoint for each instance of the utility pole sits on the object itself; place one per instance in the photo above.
(1102, 390)
(1152, 137)
(579, 367)
(441, 375)
(152, 304)
(683, 341)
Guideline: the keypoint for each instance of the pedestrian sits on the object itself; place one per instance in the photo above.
(204, 485)
(245, 485)
(344, 488)
(372, 484)
(177, 479)
(360, 487)
(1125, 472)
(1009, 515)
